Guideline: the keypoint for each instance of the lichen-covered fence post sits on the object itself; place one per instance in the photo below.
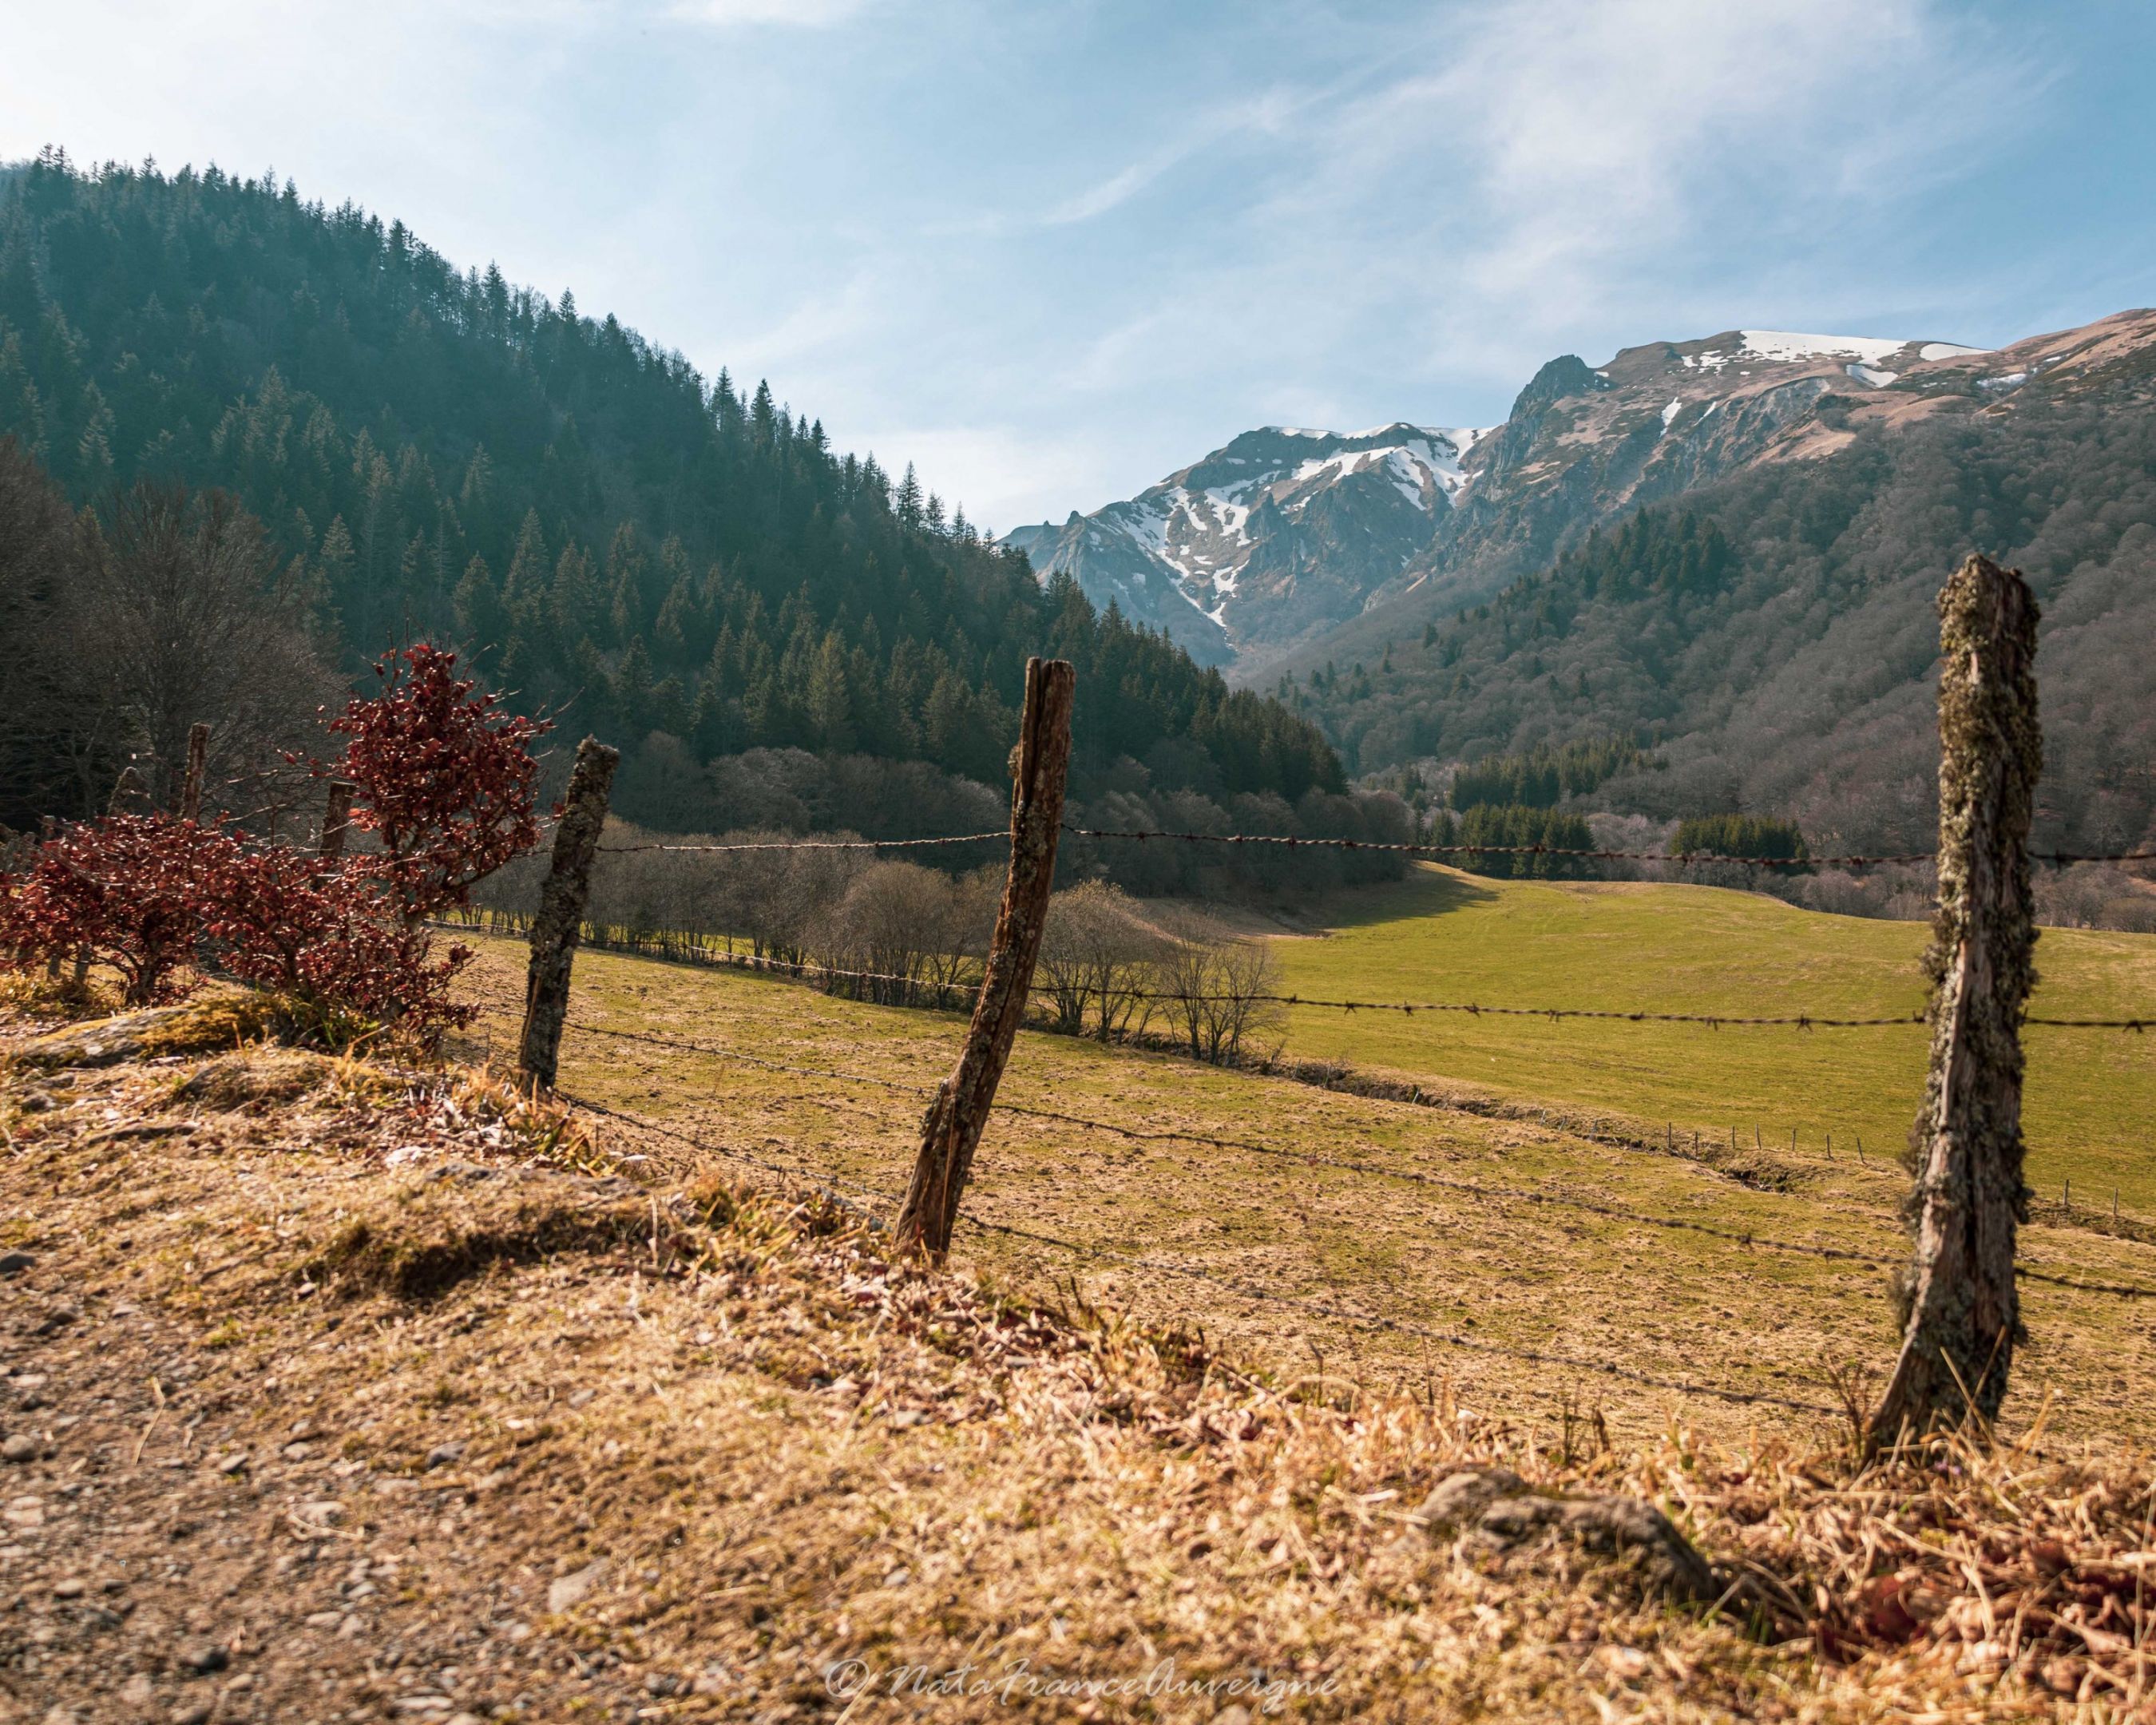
(1965, 1151)
(561, 915)
(336, 819)
(190, 791)
(955, 1118)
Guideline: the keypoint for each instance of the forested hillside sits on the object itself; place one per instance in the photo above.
(1771, 638)
(684, 566)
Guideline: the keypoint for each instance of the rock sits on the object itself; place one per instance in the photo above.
(578, 1398)
(214, 1022)
(208, 1656)
(136, 1692)
(233, 1462)
(569, 1590)
(298, 1452)
(442, 1453)
(70, 1589)
(15, 1263)
(20, 1447)
(1492, 1509)
(193, 1713)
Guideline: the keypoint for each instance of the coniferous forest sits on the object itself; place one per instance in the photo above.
(683, 564)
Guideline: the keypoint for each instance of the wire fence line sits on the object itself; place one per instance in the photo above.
(683, 946)
(1486, 1192)
(1683, 859)
(837, 1191)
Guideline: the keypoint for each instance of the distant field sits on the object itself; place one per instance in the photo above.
(1442, 935)
(1499, 1270)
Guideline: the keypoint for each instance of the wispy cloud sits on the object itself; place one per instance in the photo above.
(792, 14)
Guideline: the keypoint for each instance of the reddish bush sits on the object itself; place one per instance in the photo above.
(446, 781)
(314, 931)
(128, 890)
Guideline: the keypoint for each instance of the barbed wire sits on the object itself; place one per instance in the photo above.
(1685, 859)
(828, 1187)
(1402, 1325)
(808, 845)
(1191, 1272)
(1682, 859)
(1520, 1194)
(1714, 1020)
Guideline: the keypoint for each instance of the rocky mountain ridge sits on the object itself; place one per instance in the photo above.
(1282, 538)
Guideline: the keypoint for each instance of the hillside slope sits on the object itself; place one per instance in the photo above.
(354, 1394)
(684, 566)
(1773, 635)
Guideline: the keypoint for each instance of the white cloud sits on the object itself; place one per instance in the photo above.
(797, 14)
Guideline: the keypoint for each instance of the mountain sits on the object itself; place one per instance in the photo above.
(1271, 537)
(685, 566)
(1729, 549)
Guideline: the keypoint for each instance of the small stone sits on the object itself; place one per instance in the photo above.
(324, 1619)
(136, 1692)
(904, 1417)
(70, 1589)
(444, 1454)
(660, 1683)
(579, 1398)
(298, 1452)
(1494, 1509)
(15, 1263)
(194, 1713)
(208, 1657)
(233, 1462)
(21, 1447)
(569, 1590)
(898, 1578)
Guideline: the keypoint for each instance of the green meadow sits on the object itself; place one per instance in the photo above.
(1442, 935)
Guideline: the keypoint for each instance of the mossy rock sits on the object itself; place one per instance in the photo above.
(208, 1024)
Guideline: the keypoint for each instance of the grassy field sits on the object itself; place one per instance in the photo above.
(1441, 936)
(1487, 1268)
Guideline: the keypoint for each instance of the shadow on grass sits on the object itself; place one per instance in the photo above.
(1427, 890)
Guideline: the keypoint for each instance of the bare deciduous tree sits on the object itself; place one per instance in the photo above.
(184, 612)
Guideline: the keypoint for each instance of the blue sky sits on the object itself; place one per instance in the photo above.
(1052, 249)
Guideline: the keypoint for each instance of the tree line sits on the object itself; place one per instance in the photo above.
(432, 454)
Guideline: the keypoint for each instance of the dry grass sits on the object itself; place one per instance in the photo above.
(1669, 1304)
(696, 1448)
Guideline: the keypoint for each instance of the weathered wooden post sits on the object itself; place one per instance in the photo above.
(952, 1128)
(1962, 1317)
(336, 819)
(561, 901)
(191, 788)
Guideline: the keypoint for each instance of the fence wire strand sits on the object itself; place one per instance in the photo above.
(1190, 1272)
(1713, 1020)
(1519, 1194)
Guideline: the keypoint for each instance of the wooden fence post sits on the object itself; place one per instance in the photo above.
(197, 763)
(562, 902)
(952, 1128)
(337, 818)
(1962, 1317)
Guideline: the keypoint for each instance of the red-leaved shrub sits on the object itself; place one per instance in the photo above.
(445, 779)
(128, 889)
(315, 930)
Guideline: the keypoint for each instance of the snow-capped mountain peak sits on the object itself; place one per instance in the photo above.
(1277, 511)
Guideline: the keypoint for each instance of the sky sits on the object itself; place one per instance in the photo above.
(1052, 250)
